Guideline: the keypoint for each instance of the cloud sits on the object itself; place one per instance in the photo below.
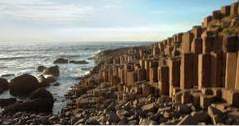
(44, 10)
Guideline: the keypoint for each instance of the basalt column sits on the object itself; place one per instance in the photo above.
(204, 72)
(164, 80)
(174, 74)
(231, 67)
(187, 69)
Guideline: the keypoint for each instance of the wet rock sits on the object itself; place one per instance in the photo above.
(79, 62)
(56, 84)
(4, 85)
(41, 68)
(23, 85)
(61, 61)
(46, 81)
(7, 75)
(54, 71)
(6, 102)
(40, 101)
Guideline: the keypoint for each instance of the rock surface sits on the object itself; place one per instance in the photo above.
(61, 61)
(53, 71)
(4, 85)
(23, 85)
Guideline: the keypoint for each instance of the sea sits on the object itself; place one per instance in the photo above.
(18, 58)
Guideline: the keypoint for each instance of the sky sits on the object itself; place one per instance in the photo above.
(100, 20)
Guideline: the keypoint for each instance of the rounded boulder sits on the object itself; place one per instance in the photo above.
(23, 85)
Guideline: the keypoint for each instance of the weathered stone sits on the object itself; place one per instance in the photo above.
(130, 78)
(234, 9)
(6, 102)
(23, 85)
(207, 21)
(153, 72)
(122, 113)
(225, 10)
(4, 85)
(216, 115)
(164, 80)
(40, 101)
(149, 107)
(61, 61)
(200, 116)
(196, 46)
(217, 69)
(187, 120)
(207, 100)
(186, 42)
(231, 67)
(187, 68)
(91, 121)
(204, 72)
(113, 117)
(217, 14)
(230, 43)
(52, 71)
(231, 97)
(183, 109)
(41, 68)
(143, 121)
(79, 62)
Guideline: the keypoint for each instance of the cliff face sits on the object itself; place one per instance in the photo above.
(199, 68)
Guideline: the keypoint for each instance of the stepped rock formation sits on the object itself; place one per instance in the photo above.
(196, 72)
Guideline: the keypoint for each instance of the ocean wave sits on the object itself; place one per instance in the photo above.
(21, 57)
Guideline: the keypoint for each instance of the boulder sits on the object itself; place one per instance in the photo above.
(46, 81)
(113, 117)
(61, 61)
(41, 68)
(54, 71)
(23, 85)
(6, 102)
(40, 101)
(4, 85)
(149, 107)
(79, 62)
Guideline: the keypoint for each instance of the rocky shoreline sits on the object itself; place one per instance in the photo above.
(188, 79)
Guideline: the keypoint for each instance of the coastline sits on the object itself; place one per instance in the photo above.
(190, 78)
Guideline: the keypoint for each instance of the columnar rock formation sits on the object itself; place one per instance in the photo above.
(186, 65)
(189, 78)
